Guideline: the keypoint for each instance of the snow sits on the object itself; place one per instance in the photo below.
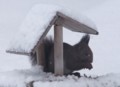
(16, 71)
(36, 22)
(103, 81)
(19, 78)
(10, 62)
(106, 45)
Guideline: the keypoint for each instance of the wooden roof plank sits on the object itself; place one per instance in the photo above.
(20, 53)
(76, 26)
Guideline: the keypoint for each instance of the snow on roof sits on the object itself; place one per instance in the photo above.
(35, 24)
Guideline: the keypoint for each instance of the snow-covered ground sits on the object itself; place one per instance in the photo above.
(19, 78)
(15, 70)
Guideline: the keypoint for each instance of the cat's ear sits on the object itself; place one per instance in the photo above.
(85, 39)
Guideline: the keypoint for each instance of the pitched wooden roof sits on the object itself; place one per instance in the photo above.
(58, 18)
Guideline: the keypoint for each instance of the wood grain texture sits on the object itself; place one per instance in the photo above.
(58, 50)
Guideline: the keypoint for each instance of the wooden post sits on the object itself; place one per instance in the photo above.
(40, 54)
(58, 50)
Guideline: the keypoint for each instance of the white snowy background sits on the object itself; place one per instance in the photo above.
(15, 70)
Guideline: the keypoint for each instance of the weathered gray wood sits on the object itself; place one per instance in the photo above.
(40, 55)
(58, 50)
(20, 53)
(76, 26)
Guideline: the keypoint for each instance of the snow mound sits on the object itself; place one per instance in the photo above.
(36, 22)
(19, 78)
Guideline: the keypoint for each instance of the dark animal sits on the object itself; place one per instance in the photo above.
(76, 57)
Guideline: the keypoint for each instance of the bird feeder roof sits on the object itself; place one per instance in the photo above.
(39, 21)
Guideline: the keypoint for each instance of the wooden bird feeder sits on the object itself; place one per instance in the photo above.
(59, 21)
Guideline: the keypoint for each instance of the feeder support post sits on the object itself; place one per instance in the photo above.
(40, 55)
(58, 48)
